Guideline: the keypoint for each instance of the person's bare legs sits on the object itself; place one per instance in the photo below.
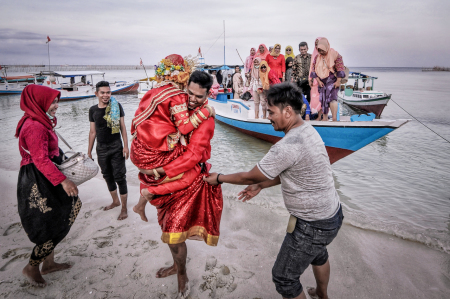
(124, 212)
(179, 254)
(140, 208)
(34, 276)
(49, 265)
(334, 109)
(116, 201)
(319, 114)
(256, 111)
(322, 276)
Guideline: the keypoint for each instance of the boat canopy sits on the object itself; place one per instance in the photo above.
(70, 74)
(217, 67)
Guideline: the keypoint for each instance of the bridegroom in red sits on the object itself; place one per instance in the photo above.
(194, 212)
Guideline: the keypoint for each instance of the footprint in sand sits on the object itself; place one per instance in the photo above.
(15, 259)
(104, 244)
(13, 252)
(87, 214)
(13, 228)
(150, 244)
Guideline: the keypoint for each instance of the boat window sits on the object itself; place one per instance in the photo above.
(365, 96)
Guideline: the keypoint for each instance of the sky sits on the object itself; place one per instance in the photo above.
(381, 33)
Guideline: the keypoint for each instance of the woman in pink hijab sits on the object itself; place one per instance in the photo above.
(315, 101)
(328, 69)
(262, 52)
(248, 68)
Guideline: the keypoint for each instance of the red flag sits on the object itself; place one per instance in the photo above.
(200, 52)
(141, 62)
(48, 39)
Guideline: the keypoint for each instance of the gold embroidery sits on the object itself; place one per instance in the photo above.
(178, 108)
(36, 200)
(41, 252)
(201, 114)
(173, 139)
(167, 179)
(76, 207)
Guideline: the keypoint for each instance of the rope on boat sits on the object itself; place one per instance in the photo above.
(420, 121)
(213, 44)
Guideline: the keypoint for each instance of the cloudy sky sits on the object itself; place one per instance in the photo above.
(379, 33)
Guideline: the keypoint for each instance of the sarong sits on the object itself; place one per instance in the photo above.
(191, 213)
(328, 92)
(46, 211)
(145, 157)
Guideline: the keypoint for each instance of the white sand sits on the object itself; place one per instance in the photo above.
(119, 259)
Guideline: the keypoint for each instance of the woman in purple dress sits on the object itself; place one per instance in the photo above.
(328, 68)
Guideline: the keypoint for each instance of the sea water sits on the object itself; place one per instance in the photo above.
(398, 185)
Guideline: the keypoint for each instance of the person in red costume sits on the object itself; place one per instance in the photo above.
(158, 128)
(195, 211)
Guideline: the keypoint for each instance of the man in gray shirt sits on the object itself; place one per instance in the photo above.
(300, 163)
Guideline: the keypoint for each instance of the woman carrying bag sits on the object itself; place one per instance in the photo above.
(48, 201)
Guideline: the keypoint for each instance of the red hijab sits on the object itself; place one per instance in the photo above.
(35, 101)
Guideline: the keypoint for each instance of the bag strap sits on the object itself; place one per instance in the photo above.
(60, 137)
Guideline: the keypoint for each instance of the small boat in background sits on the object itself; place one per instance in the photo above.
(73, 90)
(22, 79)
(363, 98)
(341, 138)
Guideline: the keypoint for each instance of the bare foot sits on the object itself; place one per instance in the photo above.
(183, 286)
(186, 289)
(55, 267)
(141, 212)
(166, 271)
(111, 206)
(123, 214)
(312, 292)
(34, 276)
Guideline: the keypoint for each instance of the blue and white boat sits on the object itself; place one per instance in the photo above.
(341, 138)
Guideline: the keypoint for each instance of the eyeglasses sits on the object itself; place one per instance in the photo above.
(277, 48)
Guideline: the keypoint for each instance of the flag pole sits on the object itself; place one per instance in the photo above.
(48, 49)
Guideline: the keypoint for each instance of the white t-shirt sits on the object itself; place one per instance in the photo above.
(307, 185)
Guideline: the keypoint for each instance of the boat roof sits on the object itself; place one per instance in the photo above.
(70, 73)
(354, 75)
(218, 67)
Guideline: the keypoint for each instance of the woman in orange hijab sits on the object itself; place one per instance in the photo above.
(328, 68)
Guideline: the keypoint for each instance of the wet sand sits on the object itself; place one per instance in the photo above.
(119, 259)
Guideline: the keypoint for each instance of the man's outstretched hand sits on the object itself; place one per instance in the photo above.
(212, 179)
(249, 192)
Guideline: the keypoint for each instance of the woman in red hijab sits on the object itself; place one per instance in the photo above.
(48, 202)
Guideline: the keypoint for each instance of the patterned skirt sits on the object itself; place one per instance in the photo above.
(46, 211)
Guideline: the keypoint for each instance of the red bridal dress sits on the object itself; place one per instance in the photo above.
(194, 212)
(158, 128)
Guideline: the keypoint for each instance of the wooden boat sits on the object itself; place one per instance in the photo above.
(362, 97)
(73, 90)
(341, 138)
(24, 79)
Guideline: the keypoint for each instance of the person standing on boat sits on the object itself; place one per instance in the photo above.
(289, 63)
(214, 76)
(300, 163)
(316, 107)
(289, 52)
(262, 52)
(238, 83)
(276, 62)
(328, 69)
(107, 125)
(248, 70)
(47, 200)
(300, 70)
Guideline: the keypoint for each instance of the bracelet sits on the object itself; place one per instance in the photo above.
(218, 182)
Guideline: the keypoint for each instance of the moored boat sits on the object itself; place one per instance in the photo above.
(362, 97)
(341, 138)
(73, 90)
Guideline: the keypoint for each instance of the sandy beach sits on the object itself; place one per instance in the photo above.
(119, 259)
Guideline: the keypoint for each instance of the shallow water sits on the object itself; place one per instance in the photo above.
(397, 185)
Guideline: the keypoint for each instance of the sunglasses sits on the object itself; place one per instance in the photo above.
(263, 67)
(288, 50)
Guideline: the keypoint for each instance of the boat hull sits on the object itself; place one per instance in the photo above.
(375, 106)
(340, 138)
(90, 91)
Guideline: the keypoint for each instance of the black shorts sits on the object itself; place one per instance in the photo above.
(305, 246)
(112, 163)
